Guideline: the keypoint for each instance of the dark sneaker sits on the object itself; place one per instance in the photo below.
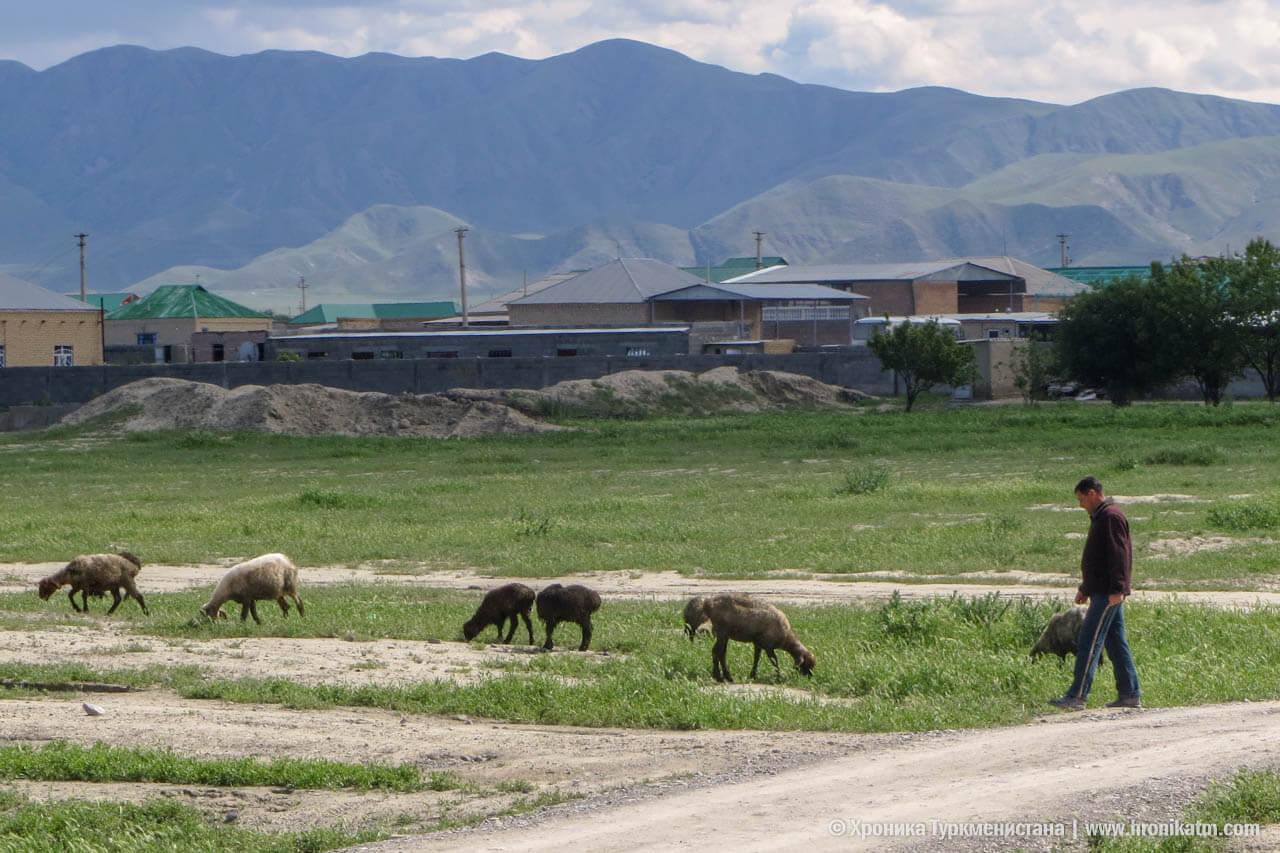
(1126, 702)
(1068, 703)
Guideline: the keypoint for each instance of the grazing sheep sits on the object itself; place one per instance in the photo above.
(695, 618)
(96, 574)
(511, 601)
(270, 576)
(572, 603)
(1059, 637)
(736, 616)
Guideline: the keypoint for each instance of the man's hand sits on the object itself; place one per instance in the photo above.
(1115, 598)
(1081, 598)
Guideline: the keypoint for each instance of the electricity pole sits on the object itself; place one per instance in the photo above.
(1063, 247)
(759, 257)
(302, 285)
(462, 273)
(81, 238)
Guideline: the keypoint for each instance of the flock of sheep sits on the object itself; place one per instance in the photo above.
(727, 615)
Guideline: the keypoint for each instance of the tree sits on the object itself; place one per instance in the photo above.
(923, 355)
(1109, 337)
(1194, 325)
(1254, 283)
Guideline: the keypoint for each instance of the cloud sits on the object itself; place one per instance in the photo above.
(1059, 52)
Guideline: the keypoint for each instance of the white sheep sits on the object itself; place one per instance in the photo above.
(96, 574)
(1059, 636)
(737, 616)
(270, 576)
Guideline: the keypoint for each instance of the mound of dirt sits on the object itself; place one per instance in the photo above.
(162, 403)
(723, 389)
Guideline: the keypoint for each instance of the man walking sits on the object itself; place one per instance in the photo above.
(1105, 569)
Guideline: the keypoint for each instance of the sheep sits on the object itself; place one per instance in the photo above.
(695, 619)
(96, 574)
(270, 576)
(736, 616)
(511, 601)
(1059, 636)
(573, 603)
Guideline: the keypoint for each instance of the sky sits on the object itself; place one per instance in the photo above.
(1056, 52)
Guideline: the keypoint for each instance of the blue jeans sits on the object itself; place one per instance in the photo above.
(1103, 628)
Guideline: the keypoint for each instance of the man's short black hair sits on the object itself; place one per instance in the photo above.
(1089, 484)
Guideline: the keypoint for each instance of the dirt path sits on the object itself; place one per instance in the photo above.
(1065, 769)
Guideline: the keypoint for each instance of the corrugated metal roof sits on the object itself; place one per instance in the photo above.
(1100, 275)
(733, 267)
(1038, 281)
(330, 312)
(181, 300)
(498, 304)
(19, 295)
(624, 281)
(106, 301)
(757, 293)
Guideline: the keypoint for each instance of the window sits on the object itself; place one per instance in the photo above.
(362, 355)
(219, 352)
(439, 353)
(993, 333)
(315, 353)
(638, 352)
(565, 351)
(64, 355)
(2, 361)
(146, 339)
(499, 353)
(390, 354)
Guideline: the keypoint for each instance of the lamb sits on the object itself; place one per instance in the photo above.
(736, 616)
(270, 576)
(572, 603)
(1059, 637)
(695, 619)
(510, 601)
(96, 574)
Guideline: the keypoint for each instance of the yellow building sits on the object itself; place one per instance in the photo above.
(40, 328)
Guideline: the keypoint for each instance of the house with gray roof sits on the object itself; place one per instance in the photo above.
(643, 291)
(41, 328)
(975, 285)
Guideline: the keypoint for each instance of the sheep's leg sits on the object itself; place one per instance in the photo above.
(773, 657)
(528, 624)
(551, 626)
(133, 591)
(72, 595)
(115, 601)
(755, 663)
(586, 634)
(502, 623)
(298, 602)
(284, 605)
(719, 665)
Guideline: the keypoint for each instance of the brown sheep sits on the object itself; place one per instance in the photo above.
(96, 574)
(510, 601)
(573, 603)
(265, 578)
(737, 616)
(695, 618)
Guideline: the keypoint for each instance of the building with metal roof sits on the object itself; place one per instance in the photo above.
(948, 286)
(1100, 275)
(643, 291)
(107, 301)
(373, 315)
(41, 328)
(734, 267)
(168, 317)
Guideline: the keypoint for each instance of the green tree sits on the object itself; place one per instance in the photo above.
(1195, 329)
(1110, 337)
(923, 355)
(1254, 283)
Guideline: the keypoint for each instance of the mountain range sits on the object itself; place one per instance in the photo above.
(253, 172)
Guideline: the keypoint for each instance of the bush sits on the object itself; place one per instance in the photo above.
(861, 481)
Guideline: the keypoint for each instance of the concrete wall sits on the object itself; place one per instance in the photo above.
(854, 367)
(28, 337)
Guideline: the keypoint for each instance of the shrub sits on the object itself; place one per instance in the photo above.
(861, 481)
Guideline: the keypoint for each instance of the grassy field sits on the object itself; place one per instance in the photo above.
(936, 494)
(931, 494)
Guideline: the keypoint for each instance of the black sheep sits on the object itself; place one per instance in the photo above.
(573, 603)
(509, 601)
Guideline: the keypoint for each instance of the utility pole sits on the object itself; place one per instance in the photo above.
(302, 285)
(462, 273)
(81, 238)
(759, 257)
(1064, 248)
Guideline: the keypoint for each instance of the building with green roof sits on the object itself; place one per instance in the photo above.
(172, 314)
(734, 267)
(373, 315)
(1100, 275)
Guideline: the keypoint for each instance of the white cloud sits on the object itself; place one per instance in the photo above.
(1062, 53)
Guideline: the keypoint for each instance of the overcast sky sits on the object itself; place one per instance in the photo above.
(1061, 53)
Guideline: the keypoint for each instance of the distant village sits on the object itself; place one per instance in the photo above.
(629, 308)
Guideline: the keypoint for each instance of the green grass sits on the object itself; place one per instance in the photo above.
(60, 761)
(904, 665)
(933, 494)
